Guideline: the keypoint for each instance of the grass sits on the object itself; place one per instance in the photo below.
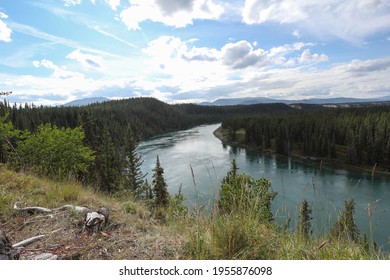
(136, 232)
(132, 233)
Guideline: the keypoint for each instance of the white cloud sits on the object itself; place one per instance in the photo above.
(5, 31)
(32, 31)
(58, 72)
(241, 55)
(169, 12)
(88, 61)
(4, 16)
(297, 34)
(69, 3)
(307, 57)
(351, 20)
(114, 4)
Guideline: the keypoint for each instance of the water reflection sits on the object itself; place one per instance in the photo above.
(197, 152)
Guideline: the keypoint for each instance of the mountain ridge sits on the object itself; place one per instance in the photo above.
(264, 100)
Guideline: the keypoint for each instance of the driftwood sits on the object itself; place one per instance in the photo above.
(7, 252)
(28, 241)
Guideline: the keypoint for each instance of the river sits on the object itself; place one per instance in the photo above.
(195, 161)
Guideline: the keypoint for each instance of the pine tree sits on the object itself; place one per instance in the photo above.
(134, 179)
(304, 219)
(159, 186)
(106, 164)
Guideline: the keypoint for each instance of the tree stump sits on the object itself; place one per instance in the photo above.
(95, 221)
(7, 252)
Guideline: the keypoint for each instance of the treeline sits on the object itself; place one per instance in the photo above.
(148, 116)
(96, 144)
(359, 136)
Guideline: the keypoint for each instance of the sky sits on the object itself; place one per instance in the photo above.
(53, 52)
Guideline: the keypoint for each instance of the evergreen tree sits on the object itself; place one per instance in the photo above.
(345, 226)
(106, 164)
(159, 186)
(134, 179)
(232, 174)
(304, 219)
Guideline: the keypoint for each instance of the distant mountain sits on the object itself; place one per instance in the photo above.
(263, 100)
(86, 101)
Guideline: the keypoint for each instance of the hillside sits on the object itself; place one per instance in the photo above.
(135, 231)
(132, 232)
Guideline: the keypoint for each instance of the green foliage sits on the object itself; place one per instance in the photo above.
(345, 227)
(243, 193)
(134, 179)
(8, 137)
(130, 208)
(358, 135)
(176, 207)
(106, 169)
(161, 195)
(55, 152)
(304, 227)
(232, 174)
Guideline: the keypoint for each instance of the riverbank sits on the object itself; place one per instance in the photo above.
(223, 136)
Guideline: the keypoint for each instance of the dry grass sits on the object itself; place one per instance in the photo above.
(134, 234)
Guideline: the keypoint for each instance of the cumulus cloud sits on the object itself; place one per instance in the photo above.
(88, 61)
(241, 55)
(351, 20)
(307, 57)
(58, 72)
(368, 66)
(5, 31)
(169, 12)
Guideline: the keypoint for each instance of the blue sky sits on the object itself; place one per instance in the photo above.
(52, 52)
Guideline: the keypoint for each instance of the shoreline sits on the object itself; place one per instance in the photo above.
(218, 133)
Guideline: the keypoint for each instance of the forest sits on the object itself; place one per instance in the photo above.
(358, 136)
(100, 139)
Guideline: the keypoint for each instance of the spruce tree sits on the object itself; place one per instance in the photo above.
(134, 179)
(159, 186)
(304, 219)
(107, 163)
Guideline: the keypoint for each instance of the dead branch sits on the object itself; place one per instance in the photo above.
(36, 219)
(32, 210)
(72, 207)
(46, 256)
(28, 241)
